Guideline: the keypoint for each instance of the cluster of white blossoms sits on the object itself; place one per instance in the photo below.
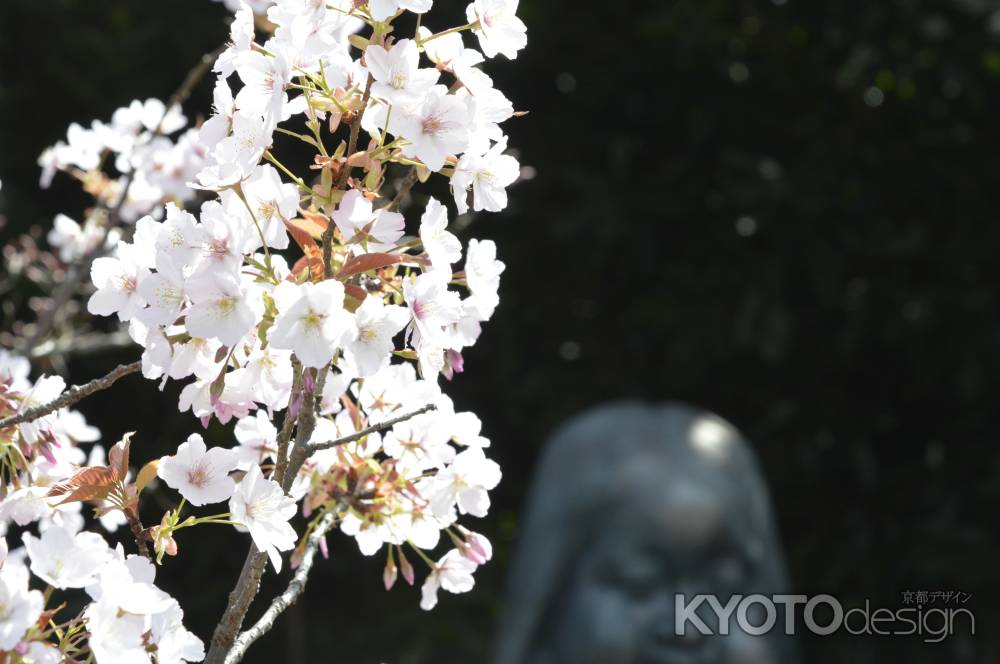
(39, 454)
(327, 356)
(151, 167)
(35, 457)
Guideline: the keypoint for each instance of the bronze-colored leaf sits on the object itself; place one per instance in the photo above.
(91, 483)
(367, 262)
(146, 475)
(354, 296)
(118, 456)
(308, 229)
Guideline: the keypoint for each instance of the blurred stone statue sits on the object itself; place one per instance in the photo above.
(632, 504)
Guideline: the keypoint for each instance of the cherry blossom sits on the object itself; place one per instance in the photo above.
(432, 305)
(264, 78)
(270, 201)
(383, 9)
(435, 129)
(482, 272)
(19, 607)
(452, 573)
(313, 321)
(442, 246)
(465, 483)
(378, 230)
(500, 31)
(398, 78)
(258, 440)
(117, 280)
(45, 389)
(201, 475)
(488, 175)
(262, 507)
(377, 324)
(222, 308)
(65, 560)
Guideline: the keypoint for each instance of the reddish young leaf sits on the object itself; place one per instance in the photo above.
(92, 483)
(118, 456)
(146, 475)
(367, 262)
(308, 230)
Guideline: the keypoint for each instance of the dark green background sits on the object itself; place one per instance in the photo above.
(853, 334)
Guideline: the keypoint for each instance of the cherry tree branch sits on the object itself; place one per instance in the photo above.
(305, 428)
(239, 601)
(226, 647)
(404, 189)
(352, 142)
(375, 428)
(72, 395)
(285, 435)
(248, 582)
(280, 603)
(352, 145)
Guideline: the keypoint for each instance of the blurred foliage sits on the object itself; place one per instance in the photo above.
(783, 211)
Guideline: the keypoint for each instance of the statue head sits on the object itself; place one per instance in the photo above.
(633, 504)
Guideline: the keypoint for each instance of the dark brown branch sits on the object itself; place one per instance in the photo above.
(72, 395)
(345, 174)
(280, 603)
(375, 428)
(239, 601)
(404, 189)
(285, 435)
(137, 532)
(248, 582)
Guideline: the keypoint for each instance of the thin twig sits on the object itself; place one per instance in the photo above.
(352, 145)
(285, 435)
(352, 142)
(286, 598)
(72, 395)
(404, 189)
(375, 428)
(140, 540)
(303, 432)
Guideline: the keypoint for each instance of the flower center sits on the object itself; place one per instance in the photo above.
(312, 319)
(266, 210)
(218, 248)
(226, 305)
(126, 283)
(398, 80)
(197, 476)
(169, 294)
(432, 125)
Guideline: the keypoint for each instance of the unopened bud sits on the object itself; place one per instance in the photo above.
(406, 568)
(390, 572)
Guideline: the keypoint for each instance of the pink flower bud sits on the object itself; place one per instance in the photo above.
(389, 574)
(406, 568)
